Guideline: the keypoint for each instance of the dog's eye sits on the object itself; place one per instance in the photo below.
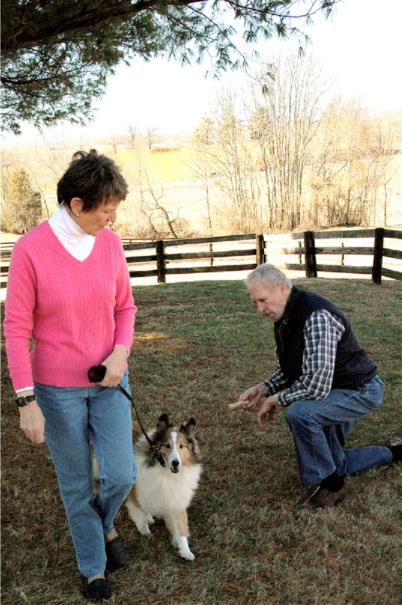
(167, 445)
(181, 446)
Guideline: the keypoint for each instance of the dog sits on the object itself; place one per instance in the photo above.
(168, 473)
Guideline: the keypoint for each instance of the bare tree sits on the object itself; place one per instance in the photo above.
(229, 163)
(204, 170)
(155, 207)
(132, 133)
(352, 171)
(284, 117)
(150, 133)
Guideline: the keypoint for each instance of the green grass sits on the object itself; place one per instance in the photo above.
(198, 346)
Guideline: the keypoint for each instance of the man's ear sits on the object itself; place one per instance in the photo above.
(76, 205)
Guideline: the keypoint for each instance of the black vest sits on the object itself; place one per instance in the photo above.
(353, 367)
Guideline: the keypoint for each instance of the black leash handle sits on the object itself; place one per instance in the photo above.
(97, 374)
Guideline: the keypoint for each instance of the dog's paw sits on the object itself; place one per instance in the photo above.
(144, 529)
(187, 554)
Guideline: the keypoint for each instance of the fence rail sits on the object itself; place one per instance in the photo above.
(244, 252)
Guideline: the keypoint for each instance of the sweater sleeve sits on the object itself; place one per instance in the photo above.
(19, 314)
(125, 308)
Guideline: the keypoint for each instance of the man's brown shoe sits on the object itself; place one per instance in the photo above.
(324, 498)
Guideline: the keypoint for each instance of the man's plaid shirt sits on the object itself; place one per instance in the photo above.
(322, 332)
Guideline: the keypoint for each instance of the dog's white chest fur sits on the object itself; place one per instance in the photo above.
(160, 492)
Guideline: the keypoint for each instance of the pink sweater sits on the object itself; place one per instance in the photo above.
(75, 311)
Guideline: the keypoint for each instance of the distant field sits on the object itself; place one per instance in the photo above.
(198, 346)
(164, 166)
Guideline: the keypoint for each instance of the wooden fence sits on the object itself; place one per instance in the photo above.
(167, 261)
(377, 251)
(302, 252)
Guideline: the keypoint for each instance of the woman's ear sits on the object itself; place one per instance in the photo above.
(76, 206)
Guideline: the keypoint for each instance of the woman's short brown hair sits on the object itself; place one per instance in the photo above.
(93, 178)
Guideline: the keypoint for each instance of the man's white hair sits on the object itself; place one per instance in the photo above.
(269, 274)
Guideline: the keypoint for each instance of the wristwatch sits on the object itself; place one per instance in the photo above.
(21, 401)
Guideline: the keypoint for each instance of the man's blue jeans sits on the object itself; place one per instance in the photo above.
(320, 429)
(75, 418)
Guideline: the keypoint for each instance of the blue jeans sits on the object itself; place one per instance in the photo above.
(76, 417)
(320, 429)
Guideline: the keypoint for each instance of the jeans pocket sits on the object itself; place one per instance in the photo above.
(372, 392)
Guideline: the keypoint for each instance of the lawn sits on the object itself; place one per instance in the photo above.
(198, 345)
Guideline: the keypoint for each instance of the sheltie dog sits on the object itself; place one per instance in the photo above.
(166, 485)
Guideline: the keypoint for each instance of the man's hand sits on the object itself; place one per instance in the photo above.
(115, 366)
(32, 422)
(253, 396)
(268, 409)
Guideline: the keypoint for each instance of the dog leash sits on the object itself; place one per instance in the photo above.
(97, 374)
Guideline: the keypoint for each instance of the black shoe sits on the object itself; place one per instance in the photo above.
(97, 590)
(396, 449)
(116, 554)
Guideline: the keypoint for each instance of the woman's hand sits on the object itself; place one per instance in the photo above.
(116, 364)
(253, 396)
(32, 422)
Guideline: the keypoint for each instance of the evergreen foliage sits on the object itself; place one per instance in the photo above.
(57, 54)
(22, 206)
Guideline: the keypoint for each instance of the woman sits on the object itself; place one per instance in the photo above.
(69, 290)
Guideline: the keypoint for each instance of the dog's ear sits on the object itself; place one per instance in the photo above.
(163, 422)
(188, 427)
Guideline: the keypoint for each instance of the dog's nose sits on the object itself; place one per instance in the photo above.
(175, 465)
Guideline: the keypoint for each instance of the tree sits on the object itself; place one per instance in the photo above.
(22, 207)
(353, 167)
(224, 157)
(259, 157)
(236, 165)
(57, 54)
(283, 123)
(203, 166)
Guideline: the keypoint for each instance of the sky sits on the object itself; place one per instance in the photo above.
(359, 47)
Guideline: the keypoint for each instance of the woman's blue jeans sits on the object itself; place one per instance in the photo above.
(320, 429)
(75, 419)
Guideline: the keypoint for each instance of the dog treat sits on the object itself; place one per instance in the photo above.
(238, 405)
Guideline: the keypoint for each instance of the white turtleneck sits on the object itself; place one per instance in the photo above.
(75, 240)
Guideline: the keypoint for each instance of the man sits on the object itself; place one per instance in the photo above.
(325, 381)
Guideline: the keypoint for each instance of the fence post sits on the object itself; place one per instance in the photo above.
(377, 255)
(160, 261)
(309, 254)
(259, 249)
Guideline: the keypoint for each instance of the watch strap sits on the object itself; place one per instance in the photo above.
(21, 401)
